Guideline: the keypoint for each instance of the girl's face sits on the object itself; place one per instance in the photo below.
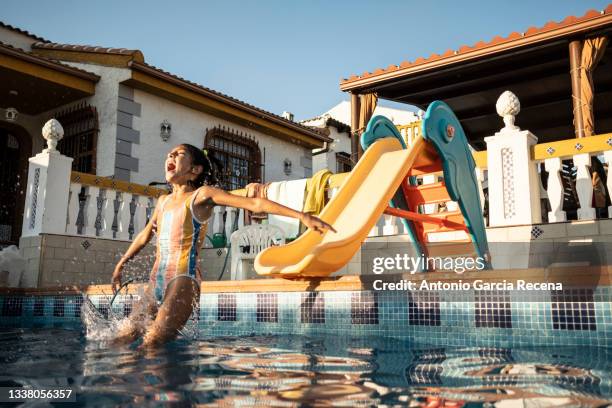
(179, 167)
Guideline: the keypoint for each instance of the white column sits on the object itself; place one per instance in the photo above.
(430, 208)
(91, 210)
(217, 222)
(108, 214)
(73, 209)
(481, 180)
(48, 187)
(232, 213)
(140, 215)
(514, 193)
(584, 186)
(375, 231)
(390, 227)
(608, 160)
(123, 216)
(554, 190)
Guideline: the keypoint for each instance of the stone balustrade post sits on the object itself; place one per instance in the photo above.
(514, 189)
(48, 188)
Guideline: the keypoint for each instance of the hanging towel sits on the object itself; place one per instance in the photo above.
(289, 194)
(315, 196)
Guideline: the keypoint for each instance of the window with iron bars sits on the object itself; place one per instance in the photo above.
(343, 162)
(239, 154)
(80, 139)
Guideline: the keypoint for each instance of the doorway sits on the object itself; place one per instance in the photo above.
(15, 149)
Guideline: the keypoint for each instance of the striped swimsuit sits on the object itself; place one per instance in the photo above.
(179, 236)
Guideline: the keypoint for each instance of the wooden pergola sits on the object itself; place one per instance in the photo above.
(541, 66)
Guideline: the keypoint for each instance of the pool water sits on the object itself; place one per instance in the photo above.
(292, 371)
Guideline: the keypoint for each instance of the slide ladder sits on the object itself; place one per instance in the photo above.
(447, 159)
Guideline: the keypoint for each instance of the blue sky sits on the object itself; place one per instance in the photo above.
(283, 55)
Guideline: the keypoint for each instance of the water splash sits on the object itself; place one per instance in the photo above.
(106, 327)
(12, 266)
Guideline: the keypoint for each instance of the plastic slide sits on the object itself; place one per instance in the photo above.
(383, 182)
(353, 211)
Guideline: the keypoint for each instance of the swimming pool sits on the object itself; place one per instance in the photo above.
(333, 341)
(288, 371)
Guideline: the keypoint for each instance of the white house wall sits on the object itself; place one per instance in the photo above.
(327, 160)
(106, 101)
(189, 126)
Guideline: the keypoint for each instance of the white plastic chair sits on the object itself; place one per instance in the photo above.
(250, 240)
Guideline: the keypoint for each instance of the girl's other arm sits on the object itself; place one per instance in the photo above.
(258, 205)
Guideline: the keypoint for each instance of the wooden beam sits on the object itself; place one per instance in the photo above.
(575, 52)
(355, 108)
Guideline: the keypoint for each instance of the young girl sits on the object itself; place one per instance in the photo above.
(180, 220)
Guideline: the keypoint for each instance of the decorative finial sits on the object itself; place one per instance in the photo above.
(508, 106)
(53, 132)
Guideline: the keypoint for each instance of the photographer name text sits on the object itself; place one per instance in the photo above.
(477, 284)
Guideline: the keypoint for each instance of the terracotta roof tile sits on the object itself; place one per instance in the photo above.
(221, 95)
(549, 26)
(84, 48)
(53, 61)
(24, 32)
(136, 55)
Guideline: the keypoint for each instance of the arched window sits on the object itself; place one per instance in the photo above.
(239, 154)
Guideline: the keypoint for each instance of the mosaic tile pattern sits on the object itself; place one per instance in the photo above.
(267, 307)
(12, 306)
(573, 310)
(495, 320)
(364, 308)
(58, 306)
(424, 309)
(312, 308)
(39, 307)
(492, 309)
(226, 307)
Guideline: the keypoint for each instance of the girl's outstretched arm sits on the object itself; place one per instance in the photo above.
(138, 243)
(257, 205)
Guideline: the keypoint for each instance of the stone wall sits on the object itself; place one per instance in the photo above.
(56, 260)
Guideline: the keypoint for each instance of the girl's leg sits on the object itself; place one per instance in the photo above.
(133, 327)
(180, 297)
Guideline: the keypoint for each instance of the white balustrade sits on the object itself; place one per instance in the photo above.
(481, 180)
(123, 216)
(108, 214)
(217, 221)
(73, 209)
(584, 186)
(140, 215)
(230, 220)
(430, 208)
(390, 227)
(554, 190)
(608, 160)
(90, 211)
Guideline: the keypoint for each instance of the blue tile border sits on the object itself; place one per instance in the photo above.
(438, 318)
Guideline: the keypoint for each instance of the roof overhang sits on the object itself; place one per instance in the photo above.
(32, 84)
(114, 57)
(533, 65)
(165, 85)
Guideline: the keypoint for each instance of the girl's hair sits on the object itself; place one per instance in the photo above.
(211, 166)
